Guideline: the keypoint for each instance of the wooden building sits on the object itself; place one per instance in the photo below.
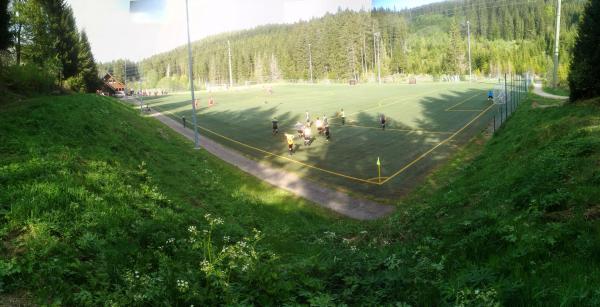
(111, 86)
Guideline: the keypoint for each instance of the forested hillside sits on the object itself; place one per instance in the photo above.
(507, 35)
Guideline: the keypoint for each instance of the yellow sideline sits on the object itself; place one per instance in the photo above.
(280, 156)
(436, 146)
(370, 180)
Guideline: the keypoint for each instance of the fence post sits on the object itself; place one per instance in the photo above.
(505, 98)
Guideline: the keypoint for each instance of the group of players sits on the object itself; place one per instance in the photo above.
(304, 131)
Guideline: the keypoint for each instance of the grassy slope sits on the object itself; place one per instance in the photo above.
(519, 215)
(560, 91)
(71, 172)
(513, 220)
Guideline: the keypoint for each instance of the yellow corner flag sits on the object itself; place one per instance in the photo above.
(378, 170)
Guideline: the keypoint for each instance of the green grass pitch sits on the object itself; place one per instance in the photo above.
(425, 122)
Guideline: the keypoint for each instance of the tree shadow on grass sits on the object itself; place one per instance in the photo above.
(351, 151)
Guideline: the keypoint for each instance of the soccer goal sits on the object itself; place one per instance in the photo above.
(500, 96)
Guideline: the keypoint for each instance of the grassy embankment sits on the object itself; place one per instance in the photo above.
(96, 207)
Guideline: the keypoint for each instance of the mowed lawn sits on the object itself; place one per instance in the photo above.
(419, 117)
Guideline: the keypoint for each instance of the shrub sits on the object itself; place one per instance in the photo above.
(27, 79)
(76, 84)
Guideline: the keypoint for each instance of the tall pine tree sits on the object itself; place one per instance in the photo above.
(584, 80)
(454, 59)
(87, 66)
(63, 32)
(5, 35)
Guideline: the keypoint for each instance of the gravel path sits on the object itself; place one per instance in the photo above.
(537, 89)
(339, 202)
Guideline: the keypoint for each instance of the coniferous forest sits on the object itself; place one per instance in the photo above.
(506, 36)
(41, 49)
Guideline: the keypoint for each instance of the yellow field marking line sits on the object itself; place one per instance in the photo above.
(376, 180)
(465, 110)
(284, 157)
(436, 146)
(394, 129)
(461, 102)
(279, 156)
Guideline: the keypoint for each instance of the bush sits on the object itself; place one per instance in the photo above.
(76, 84)
(28, 79)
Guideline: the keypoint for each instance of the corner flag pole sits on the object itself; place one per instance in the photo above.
(187, 18)
(378, 171)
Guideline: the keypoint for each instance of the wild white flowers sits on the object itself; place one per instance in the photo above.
(182, 285)
(213, 221)
(193, 233)
(329, 234)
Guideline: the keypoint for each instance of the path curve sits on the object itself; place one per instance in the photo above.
(339, 202)
(537, 89)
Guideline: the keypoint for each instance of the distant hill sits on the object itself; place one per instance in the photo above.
(507, 35)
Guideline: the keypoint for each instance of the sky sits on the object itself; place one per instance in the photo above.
(119, 29)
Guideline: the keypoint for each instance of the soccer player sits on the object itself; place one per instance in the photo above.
(275, 125)
(382, 119)
(490, 95)
(343, 115)
(307, 135)
(290, 143)
(319, 125)
(307, 118)
(299, 128)
(325, 122)
(327, 134)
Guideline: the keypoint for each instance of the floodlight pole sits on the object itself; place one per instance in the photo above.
(140, 96)
(310, 63)
(230, 74)
(378, 36)
(187, 18)
(556, 46)
(469, 43)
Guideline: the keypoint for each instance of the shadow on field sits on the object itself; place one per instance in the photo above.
(354, 151)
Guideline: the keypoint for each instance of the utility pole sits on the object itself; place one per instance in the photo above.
(374, 53)
(556, 39)
(230, 74)
(353, 56)
(125, 78)
(140, 96)
(187, 19)
(310, 63)
(378, 56)
(364, 57)
(469, 43)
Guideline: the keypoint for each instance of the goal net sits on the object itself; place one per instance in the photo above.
(500, 95)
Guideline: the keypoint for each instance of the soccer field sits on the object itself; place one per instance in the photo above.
(425, 123)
